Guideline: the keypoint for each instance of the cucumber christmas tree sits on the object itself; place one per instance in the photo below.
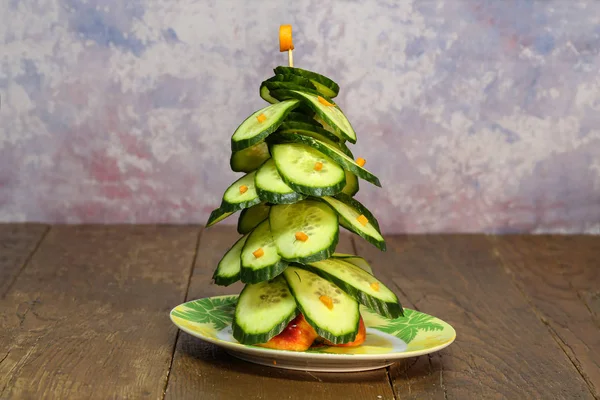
(300, 179)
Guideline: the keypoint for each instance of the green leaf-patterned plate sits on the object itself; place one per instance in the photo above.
(388, 340)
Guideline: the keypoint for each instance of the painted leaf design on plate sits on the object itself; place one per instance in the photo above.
(217, 311)
(407, 327)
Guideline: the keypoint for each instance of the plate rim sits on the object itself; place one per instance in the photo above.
(304, 354)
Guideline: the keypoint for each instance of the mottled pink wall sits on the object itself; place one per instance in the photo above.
(477, 115)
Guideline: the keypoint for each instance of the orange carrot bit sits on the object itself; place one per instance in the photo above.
(362, 219)
(318, 166)
(261, 118)
(375, 286)
(285, 38)
(243, 189)
(258, 253)
(325, 102)
(303, 237)
(327, 301)
(274, 362)
(361, 162)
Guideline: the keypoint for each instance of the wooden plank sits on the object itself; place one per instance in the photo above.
(557, 275)
(204, 371)
(502, 349)
(416, 378)
(412, 378)
(592, 301)
(17, 243)
(88, 317)
(345, 244)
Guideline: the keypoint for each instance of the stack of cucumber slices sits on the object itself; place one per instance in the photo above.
(300, 179)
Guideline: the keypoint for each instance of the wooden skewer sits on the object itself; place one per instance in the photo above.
(291, 57)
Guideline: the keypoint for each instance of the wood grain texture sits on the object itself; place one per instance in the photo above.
(17, 243)
(417, 378)
(88, 317)
(204, 371)
(412, 378)
(502, 349)
(559, 276)
(591, 298)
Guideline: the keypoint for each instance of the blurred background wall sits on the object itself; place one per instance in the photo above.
(477, 115)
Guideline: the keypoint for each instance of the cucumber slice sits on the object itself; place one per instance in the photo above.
(251, 131)
(278, 90)
(251, 217)
(332, 115)
(296, 165)
(359, 284)
(349, 210)
(263, 310)
(217, 216)
(250, 158)
(351, 187)
(323, 84)
(338, 324)
(312, 217)
(291, 81)
(266, 95)
(315, 132)
(360, 208)
(324, 124)
(274, 86)
(296, 116)
(324, 89)
(331, 151)
(269, 265)
(228, 269)
(234, 199)
(309, 129)
(355, 260)
(271, 188)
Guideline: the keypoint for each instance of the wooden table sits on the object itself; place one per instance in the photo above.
(85, 315)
